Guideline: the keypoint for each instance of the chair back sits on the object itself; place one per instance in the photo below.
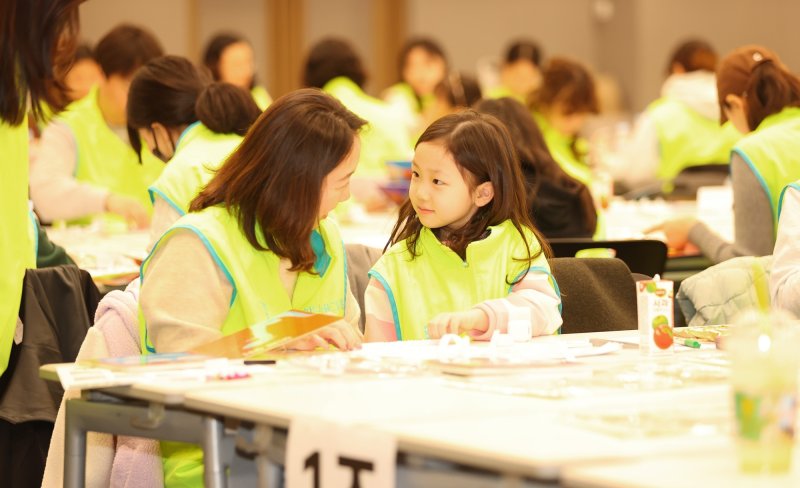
(645, 256)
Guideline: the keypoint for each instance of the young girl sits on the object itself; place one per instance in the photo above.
(185, 119)
(761, 98)
(464, 252)
(521, 72)
(230, 58)
(257, 243)
(560, 107)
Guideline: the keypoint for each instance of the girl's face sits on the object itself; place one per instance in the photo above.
(236, 65)
(336, 185)
(567, 124)
(440, 195)
(423, 70)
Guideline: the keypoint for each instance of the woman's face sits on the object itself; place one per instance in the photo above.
(237, 65)
(567, 124)
(735, 110)
(423, 70)
(336, 186)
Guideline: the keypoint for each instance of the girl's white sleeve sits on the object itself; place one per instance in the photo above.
(785, 277)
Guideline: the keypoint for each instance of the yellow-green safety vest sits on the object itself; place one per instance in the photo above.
(438, 280)
(772, 151)
(384, 139)
(105, 160)
(560, 147)
(258, 295)
(261, 97)
(198, 154)
(688, 139)
(16, 244)
(502, 91)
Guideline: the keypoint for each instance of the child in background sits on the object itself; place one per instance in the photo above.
(761, 98)
(521, 72)
(230, 58)
(456, 92)
(463, 253)
(560, 107)
(422, 66)
(189, 121)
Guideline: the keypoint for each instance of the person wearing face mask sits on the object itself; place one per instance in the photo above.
(761, 98)
(182, 117)
(230, 58)
(85, 165)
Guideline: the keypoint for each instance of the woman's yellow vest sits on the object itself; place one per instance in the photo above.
(258, 293)
(688, 139)
(261, 97)
(105, 160)
(384, 139)
(199, 153)
(16, 243)
(437, 280)
(772, 152)
(560, 147)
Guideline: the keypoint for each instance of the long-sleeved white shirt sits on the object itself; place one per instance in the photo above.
(784, 282)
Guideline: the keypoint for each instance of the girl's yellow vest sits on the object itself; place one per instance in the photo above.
(16, 243)
(199, 153)
(105, 160)
(772, 152)
(438, 280)
(261, 97)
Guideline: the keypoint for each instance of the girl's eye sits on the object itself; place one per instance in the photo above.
(414, 174)
(438, 182)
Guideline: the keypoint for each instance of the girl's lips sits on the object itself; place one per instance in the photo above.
(424, 210)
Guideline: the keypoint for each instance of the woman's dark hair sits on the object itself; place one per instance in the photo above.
(214, 49)
(770, 89)
(331, 58)
(273, 182)
(534, 156)
(693, 55)
(459, 90)
(483, 152)
(427, 44)
(172, 91)
(567, 82)
(37, 42)
(524, 49)
(125, 49)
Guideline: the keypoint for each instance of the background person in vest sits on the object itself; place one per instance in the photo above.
(230, 58)
(761, 98)
(681, 129)
(84, 164)
(334, 66)
(521, 72)
(558, 204)
(188, 121)
(560, 108)
(784, 279)
(258, 243)
(36, 44)
(464, 252)
(422, 66)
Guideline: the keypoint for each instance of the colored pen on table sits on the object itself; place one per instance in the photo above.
(691, 343)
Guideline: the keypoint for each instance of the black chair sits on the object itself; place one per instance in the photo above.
(645, 256)
(597, 294)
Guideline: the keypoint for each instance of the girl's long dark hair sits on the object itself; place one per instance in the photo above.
(272, 183)
(483, 152)
(37, 42)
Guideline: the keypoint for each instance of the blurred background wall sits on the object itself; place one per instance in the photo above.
(627, 41)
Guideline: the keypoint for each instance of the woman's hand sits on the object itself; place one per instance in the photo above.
(129, 209)
(473, 322)
(676, 230)
(340, 334)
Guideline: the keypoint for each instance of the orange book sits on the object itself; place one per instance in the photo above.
(267, 336)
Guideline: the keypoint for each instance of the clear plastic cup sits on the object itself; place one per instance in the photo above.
(764, 358)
